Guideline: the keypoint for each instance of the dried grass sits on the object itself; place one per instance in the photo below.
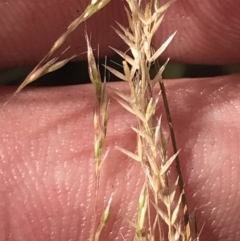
(48, 63)
(161, 202)
(151, 148)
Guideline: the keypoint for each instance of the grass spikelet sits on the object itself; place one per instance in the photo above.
(103, 221)
(94, 74)
(142, 213)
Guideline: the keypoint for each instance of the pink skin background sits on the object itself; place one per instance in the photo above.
(46, 145)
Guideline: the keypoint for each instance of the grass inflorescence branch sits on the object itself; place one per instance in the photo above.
(151, 149)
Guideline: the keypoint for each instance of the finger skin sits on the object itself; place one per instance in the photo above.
(47, 173)
(208, 32)
(28, 33)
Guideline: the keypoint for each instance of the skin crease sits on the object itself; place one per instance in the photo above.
(46, 169)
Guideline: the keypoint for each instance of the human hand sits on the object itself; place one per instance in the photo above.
(47, 190)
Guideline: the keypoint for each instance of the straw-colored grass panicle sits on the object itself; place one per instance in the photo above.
(162, 209)
(160, 201)
(48, 63)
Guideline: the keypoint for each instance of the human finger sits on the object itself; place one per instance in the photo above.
(47, 170)
(207, 32)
